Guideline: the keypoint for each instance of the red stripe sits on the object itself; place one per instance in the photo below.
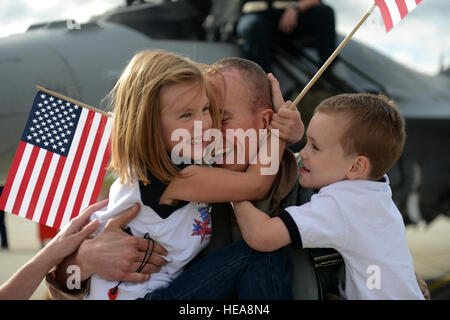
(385, 14)
(52, 190)
(89, 167)
(39, 184)
(402, 8)
(26, 179)
(418, 1)
(73, 169)
(101, 174)
(12, 174)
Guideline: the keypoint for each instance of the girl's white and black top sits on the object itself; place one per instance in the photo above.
(183, 230)
(359, 219)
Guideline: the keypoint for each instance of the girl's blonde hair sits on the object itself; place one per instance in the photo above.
(137, 145)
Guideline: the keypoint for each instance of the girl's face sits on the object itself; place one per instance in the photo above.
(323, 158)
(181, 105)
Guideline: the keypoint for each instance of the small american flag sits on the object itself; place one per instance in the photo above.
(393, 11)
(60, 163)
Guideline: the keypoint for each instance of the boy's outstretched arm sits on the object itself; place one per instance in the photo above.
(260, 231)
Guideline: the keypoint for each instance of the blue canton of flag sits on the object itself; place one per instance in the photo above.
(52, 123)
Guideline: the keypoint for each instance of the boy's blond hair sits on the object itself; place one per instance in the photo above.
(376, 129)
(137, 145)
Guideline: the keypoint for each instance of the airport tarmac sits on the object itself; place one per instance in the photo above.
(429, 246)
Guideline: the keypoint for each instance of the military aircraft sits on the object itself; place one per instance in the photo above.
(84, 61)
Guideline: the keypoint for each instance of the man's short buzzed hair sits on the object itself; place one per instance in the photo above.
(255, 77)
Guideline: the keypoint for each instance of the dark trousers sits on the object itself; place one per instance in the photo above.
(260, 29)
(232, 272)
(3, 227)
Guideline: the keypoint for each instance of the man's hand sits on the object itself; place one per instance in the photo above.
(289, 122)
(113, 254)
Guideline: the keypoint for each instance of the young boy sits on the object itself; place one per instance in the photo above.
(352, 141)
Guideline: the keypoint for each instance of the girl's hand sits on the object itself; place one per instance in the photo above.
(70, 237)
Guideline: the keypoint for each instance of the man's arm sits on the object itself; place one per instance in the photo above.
(113, 254)
(260, 231)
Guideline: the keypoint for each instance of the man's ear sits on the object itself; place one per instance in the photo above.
(360, 168)
(266, 117)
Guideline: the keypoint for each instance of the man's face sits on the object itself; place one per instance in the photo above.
(237, 114)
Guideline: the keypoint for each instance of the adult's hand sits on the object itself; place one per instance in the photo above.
(114, 254)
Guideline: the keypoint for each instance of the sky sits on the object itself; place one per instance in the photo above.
(420, 41)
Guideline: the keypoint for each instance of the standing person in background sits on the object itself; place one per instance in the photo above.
(264, 21)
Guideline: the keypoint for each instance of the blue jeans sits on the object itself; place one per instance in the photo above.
(233, 272)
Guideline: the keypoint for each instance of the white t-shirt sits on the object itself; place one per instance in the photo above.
(359, 219)
(183, 231)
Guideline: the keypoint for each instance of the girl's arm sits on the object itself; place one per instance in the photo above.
(219, 185)
(210, 184)
(260, 231)
(25, 281)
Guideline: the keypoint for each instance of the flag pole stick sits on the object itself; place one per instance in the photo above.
(331, 58)
(81, 104)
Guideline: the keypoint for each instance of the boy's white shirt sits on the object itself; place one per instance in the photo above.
(359, 219)
(175, 234)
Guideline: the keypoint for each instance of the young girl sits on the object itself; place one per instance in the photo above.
(158, 93)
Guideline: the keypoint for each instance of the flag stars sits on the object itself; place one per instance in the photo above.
(50, 122)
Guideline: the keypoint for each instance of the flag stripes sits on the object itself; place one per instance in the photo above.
(393, 11)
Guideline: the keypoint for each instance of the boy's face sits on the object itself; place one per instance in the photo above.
(323, 158)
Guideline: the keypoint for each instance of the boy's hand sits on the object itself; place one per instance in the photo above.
(289, 122)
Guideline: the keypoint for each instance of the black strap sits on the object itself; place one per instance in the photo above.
(144, 261)
(330, 271)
